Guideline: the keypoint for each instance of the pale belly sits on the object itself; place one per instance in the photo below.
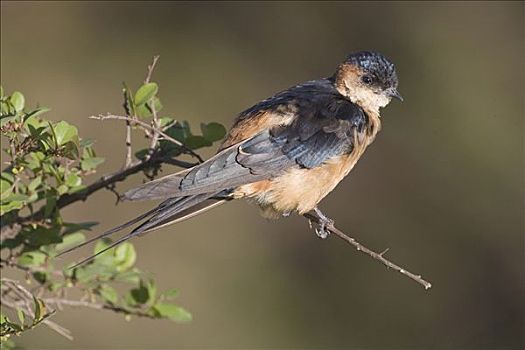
(299, 189)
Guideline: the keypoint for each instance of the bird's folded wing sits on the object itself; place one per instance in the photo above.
(307, 142)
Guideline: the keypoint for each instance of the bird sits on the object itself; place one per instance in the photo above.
(285, 153)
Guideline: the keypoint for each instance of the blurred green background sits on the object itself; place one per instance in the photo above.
(442, 186)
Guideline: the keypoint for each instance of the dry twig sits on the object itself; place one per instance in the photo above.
(377, 256)
(151, 128)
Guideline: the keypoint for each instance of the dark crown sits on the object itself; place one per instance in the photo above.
(376, 64)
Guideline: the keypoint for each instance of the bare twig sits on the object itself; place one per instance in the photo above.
(155, 122)
(151, 67)
(127, 109)
(151, 128)
(129, 150)
(377, 256)
(15, 296)
(86, 304)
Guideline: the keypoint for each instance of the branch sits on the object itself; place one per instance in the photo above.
(151, 128)
(377, 256)
(129, 150)
(151, 67)
(101, 183)
(97, 306)
(21, 298)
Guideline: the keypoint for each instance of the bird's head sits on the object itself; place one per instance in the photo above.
(368, 79)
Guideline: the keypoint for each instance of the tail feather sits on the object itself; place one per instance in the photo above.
(120, 227)
(169, 212)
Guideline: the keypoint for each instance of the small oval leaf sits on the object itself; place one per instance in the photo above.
(145, 93)
(18, 101)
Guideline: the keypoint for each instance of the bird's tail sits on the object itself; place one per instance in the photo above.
(169, 212)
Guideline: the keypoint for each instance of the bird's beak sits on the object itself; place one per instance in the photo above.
(392, 92)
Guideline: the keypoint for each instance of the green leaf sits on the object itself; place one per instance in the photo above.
(33, 185)
(145, 93)
(21, 316)
(195, 142)
(62, 189)
(41, 277)
(106, 258)
(70, 241)
(31, 259)
(125, 256)
(108, 293)
(44, 236)
(5, 188)
(40, 309)
(213, 131)
(14, 197)
(35, 113)
(65, 133)
(152, 291)
(6, 208)
(157, 104)
(130, 276)
(50, 206)
(73, 180)
(165, 121)
(173, 312)
(140, 295)
(93, 271)
(18, 101)
(143, 111)
(91, 163)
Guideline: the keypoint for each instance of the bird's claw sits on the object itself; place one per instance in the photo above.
(322, 230)
(324, 222)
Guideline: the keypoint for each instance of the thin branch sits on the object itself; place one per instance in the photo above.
(151, 128)
(97, 306)
(22, 302)
(156, 130)
(129, 150)
(155, 122)
(101, 183)
(151, 67)
(377, 256)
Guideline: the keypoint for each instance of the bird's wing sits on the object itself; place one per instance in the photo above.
(316, 135)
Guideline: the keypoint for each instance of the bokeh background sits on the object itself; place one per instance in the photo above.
(442, 186)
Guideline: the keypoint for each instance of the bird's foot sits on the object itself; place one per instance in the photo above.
(322, 230)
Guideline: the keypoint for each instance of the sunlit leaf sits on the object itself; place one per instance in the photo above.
(18, 101)
(108, 293)
(33, 185)
(70, 241)
(173, 312)
(125, 256)
(65, 133)
(21, 316)
(145, 93)
(91, 163)
(31, 259)
(73, 180)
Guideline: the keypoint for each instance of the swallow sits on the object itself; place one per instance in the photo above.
(285, 154)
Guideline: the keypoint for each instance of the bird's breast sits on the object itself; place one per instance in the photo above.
(301, 189)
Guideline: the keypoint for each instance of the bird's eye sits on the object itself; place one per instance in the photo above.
(367, 79)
